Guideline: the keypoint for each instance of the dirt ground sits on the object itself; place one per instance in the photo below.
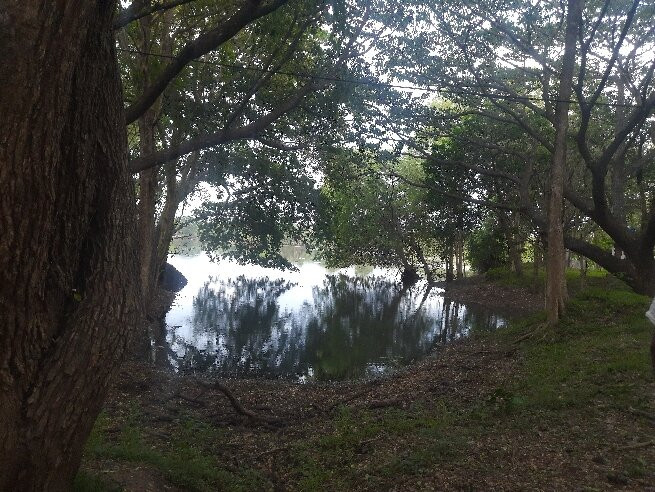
(455, 421)
(515, 301)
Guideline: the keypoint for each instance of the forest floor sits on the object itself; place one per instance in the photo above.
(524, 408)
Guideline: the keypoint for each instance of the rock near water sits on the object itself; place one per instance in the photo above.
(171, 279)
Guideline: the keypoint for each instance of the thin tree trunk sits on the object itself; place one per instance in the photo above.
(535, 259)
(515, 255)
(68, 264)
(426, 268)
(176, 192)
(618, 178)
(147, 205)
(459, 255)
(583, 271)
(555, 271)
(148, 184)
(449, 264)
(517, 244)
(148, 179)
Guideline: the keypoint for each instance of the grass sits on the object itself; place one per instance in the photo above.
(89, 482)
(339, 459)
(575, 281)
(187, 461)
(572, 389)
(595, 361)
(599, 348)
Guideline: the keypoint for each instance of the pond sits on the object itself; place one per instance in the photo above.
(311, 324)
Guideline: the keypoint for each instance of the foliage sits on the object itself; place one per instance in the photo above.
(186, 240)
(254, 111)
(495, 65)
(372, 213)
(265, 197)
(486, 248)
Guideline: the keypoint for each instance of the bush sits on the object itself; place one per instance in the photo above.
(487, 248)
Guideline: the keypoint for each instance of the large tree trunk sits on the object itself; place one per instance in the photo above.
(555, 271)
(637, 269)
(68, 265)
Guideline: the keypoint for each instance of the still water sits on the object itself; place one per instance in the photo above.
(312, 324)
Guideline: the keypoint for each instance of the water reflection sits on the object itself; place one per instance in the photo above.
(344, 326)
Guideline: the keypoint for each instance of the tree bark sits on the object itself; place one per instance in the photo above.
(450, 276)
(583, 271)
(459, 255)
(555, 271)
(148, 184)
(424, 263)
(148, 179)
(68, 264)
(618, 177)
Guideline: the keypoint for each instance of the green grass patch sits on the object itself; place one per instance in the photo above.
(188, 461)
(89, 482)
(575, 281)
(339, 458)
(599, 350)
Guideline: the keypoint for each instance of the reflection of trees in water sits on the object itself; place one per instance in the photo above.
(234, 320)
(353, 324)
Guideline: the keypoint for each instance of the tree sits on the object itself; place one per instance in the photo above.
(555, 268)
(498, 61)
(264, 198)
(373, 212)
(486, 247)
(244, 89)
(69, 263)
(67, 254)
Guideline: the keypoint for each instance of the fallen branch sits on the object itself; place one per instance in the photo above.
(271, 451)
(361, 447)
(637, 445)
(541, 328)
(392, 402)
(641, 413)
(347, 400)
(195, 401)
(240, 409)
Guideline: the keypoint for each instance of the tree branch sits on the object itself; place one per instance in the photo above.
(137, 10)
(246, 132)
(203, 44)
(454, 196)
